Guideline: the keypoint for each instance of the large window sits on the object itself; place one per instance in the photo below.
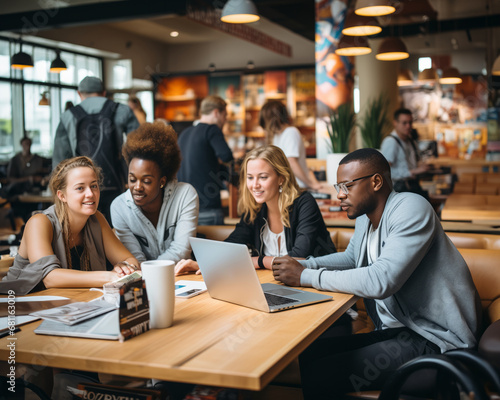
(21, 91)
(6, 142)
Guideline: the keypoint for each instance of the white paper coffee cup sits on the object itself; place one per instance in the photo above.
(160, 288)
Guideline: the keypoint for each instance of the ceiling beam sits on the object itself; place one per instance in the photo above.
(435, 27)
(31, 22)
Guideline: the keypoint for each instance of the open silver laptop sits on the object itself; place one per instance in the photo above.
(229, 274)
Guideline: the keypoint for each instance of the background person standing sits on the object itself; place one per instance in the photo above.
(203, 147)
(400, 149)
(95, 128)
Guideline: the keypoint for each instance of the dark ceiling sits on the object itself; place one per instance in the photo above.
(296, 15)
(412, 17)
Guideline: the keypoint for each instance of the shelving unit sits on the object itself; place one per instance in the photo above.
(178, 100)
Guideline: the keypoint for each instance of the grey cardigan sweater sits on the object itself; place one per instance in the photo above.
(177, 222)
(419, 274)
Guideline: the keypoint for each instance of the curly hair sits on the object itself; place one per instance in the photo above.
(156, 142)
(59, 181)
(290, 189)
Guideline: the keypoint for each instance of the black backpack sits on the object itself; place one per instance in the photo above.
(97, 138)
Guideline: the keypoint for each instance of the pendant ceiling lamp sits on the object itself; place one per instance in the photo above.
(44, 101)
(353, 46)
(451, 76)
(374, 8)
(405, 78)
(357, 25)
(239, 12)
(428, 75)
(392, 48)
(21, 60)
(496, 67)
(58, 64)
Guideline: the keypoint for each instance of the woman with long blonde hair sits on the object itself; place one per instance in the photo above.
(278, 218)
(67, 245)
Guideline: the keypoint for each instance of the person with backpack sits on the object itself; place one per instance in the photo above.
(95, 128)
(400, 149)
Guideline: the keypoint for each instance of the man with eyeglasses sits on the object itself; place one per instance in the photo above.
(400, 149)
(416, 286)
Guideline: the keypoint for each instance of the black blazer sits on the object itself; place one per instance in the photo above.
(307, 235)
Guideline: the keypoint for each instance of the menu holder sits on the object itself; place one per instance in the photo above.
(134, 309)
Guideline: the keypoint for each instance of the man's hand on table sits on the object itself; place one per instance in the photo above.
(287, 270)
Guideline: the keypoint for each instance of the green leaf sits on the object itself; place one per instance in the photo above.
(340, 126)
(374, 121)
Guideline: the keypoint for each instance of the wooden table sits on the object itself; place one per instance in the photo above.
(34, 198)
(211, 342)
(471, 207)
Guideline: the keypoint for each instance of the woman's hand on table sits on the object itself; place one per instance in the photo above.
(187, 266)
(124, 268)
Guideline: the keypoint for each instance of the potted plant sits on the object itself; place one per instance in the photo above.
(340, 126)
(374, 122)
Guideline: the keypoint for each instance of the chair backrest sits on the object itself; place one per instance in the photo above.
(485, 271)
(215, 232)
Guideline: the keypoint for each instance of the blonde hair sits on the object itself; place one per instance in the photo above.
(210, 103)
(58, 181)
(275, 157)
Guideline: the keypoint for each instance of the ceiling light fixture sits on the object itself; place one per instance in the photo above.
(451, 76)
(357, 25)
(496, 67)
(405, 77)
(250, 65)
(391, 49)
(353, 46)
(21, 60)
(239, 12)
(211, 67)
(44, 101)
(58, 64)
(428, 75)
(374, 8)
(174, 34)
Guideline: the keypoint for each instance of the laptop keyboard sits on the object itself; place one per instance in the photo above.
(274, 300)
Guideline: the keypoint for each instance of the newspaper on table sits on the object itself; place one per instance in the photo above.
(74, 313)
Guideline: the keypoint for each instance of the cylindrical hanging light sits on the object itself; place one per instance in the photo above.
(21, 60)
(392, 48)
(374, 8)
(428, 75)
(405, 77)
(58, 64)
(451, 76)
(356, 25)
(495, 70)
(239, 12)
(353, 46)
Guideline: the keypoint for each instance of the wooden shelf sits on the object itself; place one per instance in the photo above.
(176, 98)
(255, 134)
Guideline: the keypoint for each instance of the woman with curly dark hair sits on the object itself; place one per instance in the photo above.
(156, 216)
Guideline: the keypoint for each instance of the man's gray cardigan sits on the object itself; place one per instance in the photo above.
(419, 274)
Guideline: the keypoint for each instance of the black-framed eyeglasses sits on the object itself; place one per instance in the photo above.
(343, 186)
